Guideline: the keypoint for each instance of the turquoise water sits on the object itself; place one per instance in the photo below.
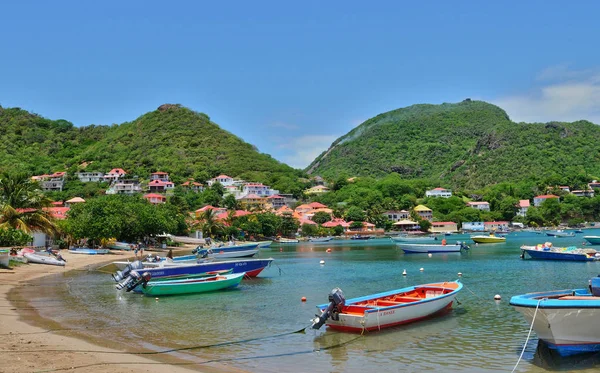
(479, 335)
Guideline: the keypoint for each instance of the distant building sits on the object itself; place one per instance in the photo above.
(258, 189)
(443, 226)
(126, 186)
(253, 201)
(565, 188)
(193, 186)
(583, 193)
(90, 177)
(424, 212)
(155, 199)
(159, 186)
(594, 184)
(473, 226)
(492, 226)
(221, 179)
(522, 207)
(276, 201)
(74, 200)
(483, 206)
(162, 176)
(114, 175)
(289, 199)
(216, 210)
(51, 182)
(395, 216)
(318, 189)
(439, 192)
(538, 200)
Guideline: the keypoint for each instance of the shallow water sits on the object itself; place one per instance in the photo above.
(479, 335)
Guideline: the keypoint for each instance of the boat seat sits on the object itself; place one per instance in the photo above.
(578, 297)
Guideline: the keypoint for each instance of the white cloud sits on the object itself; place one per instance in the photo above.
(563, 94)
(301, 150)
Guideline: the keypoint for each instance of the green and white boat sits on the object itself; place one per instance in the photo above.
(192, 285)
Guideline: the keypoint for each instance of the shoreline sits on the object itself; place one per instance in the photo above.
(23, 329)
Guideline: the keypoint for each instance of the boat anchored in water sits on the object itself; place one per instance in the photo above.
(547, 252)
(567, 320)
(383, 310)
(411, 248)
(488, 239)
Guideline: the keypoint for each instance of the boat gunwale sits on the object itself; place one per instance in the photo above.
(233, 276)
(372, 309)
(531, 300)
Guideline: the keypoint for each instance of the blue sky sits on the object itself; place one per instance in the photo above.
(291, 78)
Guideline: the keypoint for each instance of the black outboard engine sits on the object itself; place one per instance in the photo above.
(463, 246)
(204, 253)
(120, 275)
(337, 301)
(133, 280)
(59, 257)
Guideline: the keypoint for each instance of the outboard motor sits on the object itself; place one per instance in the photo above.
(133, 280)
(120, 275)
(59, 257)
(463, 246)
(337, 301)
(204, 253)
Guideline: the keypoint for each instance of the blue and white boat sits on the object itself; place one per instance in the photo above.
(560, 233)
(413, 248)
(594, 240)
(416, 239)
(319, 239)
(88, 251)
(571, 253)
(567, 320)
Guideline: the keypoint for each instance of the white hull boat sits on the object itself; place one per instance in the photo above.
(43, 259)
(431, 248)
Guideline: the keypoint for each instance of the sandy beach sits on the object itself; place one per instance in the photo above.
(22, 330)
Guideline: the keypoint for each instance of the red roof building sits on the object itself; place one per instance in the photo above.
(155, 198)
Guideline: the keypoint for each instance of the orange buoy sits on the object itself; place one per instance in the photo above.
(303, 299)
(328, 250)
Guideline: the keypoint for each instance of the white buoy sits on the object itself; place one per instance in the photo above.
(421, 269)
(429, 255)
(322, 262)
(459, 274)
(497, 297)
(404, 273)
(156, 298)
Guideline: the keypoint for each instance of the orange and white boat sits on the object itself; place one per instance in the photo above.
(383, 310)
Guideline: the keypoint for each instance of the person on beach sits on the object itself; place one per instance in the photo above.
(135, 250)
(170, 254)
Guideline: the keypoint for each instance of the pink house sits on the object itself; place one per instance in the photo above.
(522, 207)
(114, 174)
(160, 186)
(538, 200)
(155, 198)
(484, 206)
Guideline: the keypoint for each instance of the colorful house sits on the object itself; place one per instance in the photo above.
(90, 177)
(318, 189)
(406, 225)
(522, 207)
(538, 200)
(276, 201)
(253, 201)
(193, 186)
(130, 186)
(51, 182)
(221, 179)
(217, 210)
(424, 212)
(114, 175)
(154, 198)
(160, 186)
(162, 176)
(473, 226)
(395, 216)
(492, 226)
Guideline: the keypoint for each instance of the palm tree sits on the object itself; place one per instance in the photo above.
(22, 205)
(209, 224)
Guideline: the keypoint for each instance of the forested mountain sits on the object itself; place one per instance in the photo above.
(172, 138)
(468, 145)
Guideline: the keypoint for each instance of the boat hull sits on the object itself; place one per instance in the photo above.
(192, 286)
(554, 255)
(359, 318)
(89, 251)
(425, 248)
(488, 239)
(320, 239)
(430, 240)
(43, 259)
(594, 240)
(252, 268)
(567, 326)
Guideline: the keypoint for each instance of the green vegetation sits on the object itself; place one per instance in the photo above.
(467, 145)
(172, 139)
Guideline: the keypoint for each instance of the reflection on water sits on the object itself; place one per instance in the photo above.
(479, 335)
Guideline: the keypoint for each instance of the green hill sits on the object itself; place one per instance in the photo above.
(468, 144)
(172, 138)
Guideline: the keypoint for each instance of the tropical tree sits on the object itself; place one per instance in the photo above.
(22, 205)
(321, 217)
(209, 224)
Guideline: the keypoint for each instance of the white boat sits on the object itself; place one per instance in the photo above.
(431, 248)
(288, 240)
(422, 239)
(560, 233)
(263, 244)
(319, 239)
(43, 259)
(567, 320)
(594, 240)
(4, 257)
(217, 253)
(382, 310)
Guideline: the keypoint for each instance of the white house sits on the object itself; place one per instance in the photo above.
(162, 176)
(522, 207)
(114, 175)
(125, 187)
(439, 192)
(93, 177)
(583, 193)
(221, 179)
(483, 206)
(51, 183)
(397, 215)
(258, 189)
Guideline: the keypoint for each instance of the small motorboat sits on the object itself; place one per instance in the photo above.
(422, 239)
(383, 310)
(488, 239)
(197, 284)
(594, 240)
(411, 248)
(88, 251)
(567, 320)
(288, 240)
(359, 237)
(263, 244)
(560, 233)
(319, 239)
(39, 258)
(547, 252)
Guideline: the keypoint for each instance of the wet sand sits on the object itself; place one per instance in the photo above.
(22, 330)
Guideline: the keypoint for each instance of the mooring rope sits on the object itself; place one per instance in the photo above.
(528, 335)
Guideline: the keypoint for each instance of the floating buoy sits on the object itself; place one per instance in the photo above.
(303, 299)
(404, 273)
(328, 250)
(322, 262)
(459, 274)
(429, 255)
(156, 298)
(421, 269)
(497, 297)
